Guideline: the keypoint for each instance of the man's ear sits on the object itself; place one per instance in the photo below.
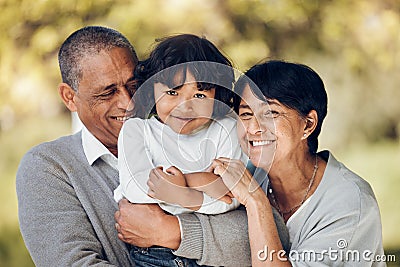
(311, 123)
(68, 96)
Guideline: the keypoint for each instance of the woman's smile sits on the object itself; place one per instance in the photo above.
(256, 143)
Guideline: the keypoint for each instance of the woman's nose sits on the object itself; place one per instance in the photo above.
(255, 126)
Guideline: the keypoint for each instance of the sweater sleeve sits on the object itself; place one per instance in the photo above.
(221, 240)
(216, 240)
(53, 223)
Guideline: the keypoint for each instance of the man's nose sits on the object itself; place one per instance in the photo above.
(124, 99)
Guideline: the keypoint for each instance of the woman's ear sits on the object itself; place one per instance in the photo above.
(68, 96)
(311, 123)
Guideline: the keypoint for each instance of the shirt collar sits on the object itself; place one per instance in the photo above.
(92, 147)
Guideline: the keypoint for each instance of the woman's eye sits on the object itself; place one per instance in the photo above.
(200, 96)
(271, 114)
(172, 92)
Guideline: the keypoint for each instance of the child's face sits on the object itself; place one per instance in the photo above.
(185, 108)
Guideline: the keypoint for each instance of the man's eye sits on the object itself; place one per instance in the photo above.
(108, 93)
(131, 87)
(171, 92)
(200, 96)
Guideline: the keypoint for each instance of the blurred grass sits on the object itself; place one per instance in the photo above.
(378, 163)
(14, 143)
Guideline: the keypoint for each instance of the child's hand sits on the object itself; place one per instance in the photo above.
(167, 186)
(176, 176)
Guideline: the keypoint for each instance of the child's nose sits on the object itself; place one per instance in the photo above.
(186, 104)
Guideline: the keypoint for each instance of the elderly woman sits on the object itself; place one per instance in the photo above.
(331, 213)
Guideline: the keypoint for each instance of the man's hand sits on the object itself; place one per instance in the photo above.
(146, 225)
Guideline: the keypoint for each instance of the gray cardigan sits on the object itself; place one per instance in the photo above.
(66, 207)
(66, 214)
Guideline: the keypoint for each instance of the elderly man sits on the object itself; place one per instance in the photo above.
(65, 187)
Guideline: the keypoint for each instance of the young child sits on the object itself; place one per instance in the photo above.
(186, 85)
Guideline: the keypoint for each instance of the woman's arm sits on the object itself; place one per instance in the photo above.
(263, 234)
(265, 244)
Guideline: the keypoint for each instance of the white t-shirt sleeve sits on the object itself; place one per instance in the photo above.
(134, 163)
(228, 145)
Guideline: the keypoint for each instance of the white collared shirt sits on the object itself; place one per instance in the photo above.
(94, 149)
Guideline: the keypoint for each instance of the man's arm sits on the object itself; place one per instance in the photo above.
(219, 240)
(212, 240)
(53, 223)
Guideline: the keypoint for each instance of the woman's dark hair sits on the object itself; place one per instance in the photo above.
(294, 85)
(172, 57)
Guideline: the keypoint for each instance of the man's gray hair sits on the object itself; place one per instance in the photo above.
(84, 42)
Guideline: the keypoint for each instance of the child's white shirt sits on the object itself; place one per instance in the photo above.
(146, 144)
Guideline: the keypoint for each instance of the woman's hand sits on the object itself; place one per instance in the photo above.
(237, 178)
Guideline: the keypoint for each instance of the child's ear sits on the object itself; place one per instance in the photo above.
(311, 123)
(68, 96)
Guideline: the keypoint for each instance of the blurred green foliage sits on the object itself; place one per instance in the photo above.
(353, 45)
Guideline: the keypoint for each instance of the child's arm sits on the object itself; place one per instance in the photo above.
(170, 186)
(134, 163)
(210, 184)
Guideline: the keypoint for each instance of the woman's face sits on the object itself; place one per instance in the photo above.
(269, 132)
(186, 108)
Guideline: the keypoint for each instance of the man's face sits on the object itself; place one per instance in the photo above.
(104, 94)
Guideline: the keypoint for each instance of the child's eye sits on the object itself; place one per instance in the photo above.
(171, 92)
(245, 115)
(200, 96)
